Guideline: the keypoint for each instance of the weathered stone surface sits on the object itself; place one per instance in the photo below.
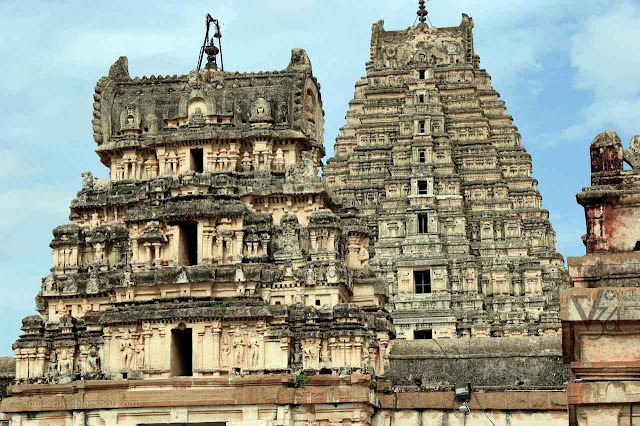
(490, 364)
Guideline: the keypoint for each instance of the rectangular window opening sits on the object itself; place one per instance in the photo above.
(423, 334)
(181, 352)
(422, 281)
(422, 156)
(422, 126)
(423, 74)
(423, 223)
(423, 187)
(197, 160)
(421, 99)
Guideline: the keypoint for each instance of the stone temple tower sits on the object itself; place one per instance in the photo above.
(430, 157)
(214, 252)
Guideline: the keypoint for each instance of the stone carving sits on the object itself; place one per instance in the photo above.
(87, 180)
(310, 352)
(632, 155)
(282, 113)
(127, 351)
(304, 170)
(93, 361)
(261, 111)
(278, 161)
(65, 365)
(140, 355)
(226, 351)
(254, 349)
(52, 368)
(238, 343)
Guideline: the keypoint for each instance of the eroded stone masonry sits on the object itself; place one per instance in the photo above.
(216, 278)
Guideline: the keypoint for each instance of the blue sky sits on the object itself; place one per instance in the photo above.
(567, 71)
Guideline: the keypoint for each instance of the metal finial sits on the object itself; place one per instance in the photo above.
(422, 14)
(209, 46)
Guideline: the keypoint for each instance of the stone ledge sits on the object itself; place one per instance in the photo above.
(185, 392)
(606, 392)
(531, 400)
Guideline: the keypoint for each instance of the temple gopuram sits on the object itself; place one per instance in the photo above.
(215, 278)
(434, 164)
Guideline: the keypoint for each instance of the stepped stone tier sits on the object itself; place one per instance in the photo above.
(601, 310)
(216, 279)
(432, 160)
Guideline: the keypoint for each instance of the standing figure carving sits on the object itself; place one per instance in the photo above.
(126, 347)
(140, 355)
(226, 350)
(238, 348)
(254, 350)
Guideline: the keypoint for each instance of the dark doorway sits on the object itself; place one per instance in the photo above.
(181, 352)
(197, 160)
(423, 334)
(188, 243)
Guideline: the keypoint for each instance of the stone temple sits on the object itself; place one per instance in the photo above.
(215, 278)
(433, 163)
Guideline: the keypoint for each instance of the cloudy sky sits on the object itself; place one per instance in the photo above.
(567, 70)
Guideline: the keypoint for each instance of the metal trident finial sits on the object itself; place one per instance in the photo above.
(422, 13)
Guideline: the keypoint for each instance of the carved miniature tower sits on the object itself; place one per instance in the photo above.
(213, 265)
(429, 155)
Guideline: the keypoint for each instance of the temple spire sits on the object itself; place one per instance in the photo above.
(422, 14)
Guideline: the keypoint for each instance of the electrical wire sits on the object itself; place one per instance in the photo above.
(474, 394)
(483, 410)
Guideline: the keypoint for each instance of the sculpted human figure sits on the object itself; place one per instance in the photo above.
(65, 366)
(238, 348)
(93, 360)
(140, 356)
(87, 180)
(255, 350)
(52, 369)
(226, 350)
(126, 347)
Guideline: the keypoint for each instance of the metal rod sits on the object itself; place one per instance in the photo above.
(220, 44)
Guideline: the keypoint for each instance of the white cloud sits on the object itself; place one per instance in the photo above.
(606, 56)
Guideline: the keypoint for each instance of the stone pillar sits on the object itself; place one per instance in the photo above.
(200, 351)
(107, 350)
(216, 347)
(356, 355)
(164, 364)
(147, 247)
(239, 235)
(219, 241)
(284, 348)
(147, 348)
(333, 350)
